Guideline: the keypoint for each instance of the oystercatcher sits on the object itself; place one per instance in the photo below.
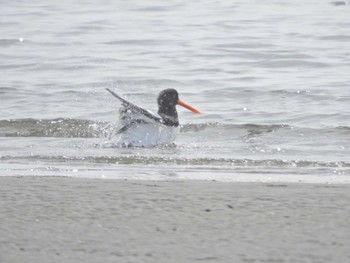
(142, 128)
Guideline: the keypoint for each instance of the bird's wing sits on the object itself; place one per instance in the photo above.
(136, 109)
(129, 119)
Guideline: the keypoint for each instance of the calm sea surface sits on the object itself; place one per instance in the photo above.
(272, 79)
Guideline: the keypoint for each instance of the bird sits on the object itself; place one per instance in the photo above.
(139, 127)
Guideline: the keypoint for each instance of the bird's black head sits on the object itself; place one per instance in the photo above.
(168, 98)
(167, 101)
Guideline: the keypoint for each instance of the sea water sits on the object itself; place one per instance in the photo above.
(272, 79)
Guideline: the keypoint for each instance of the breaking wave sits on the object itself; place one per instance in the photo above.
(78, 128)
(161, 160)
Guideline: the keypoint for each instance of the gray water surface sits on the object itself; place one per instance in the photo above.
(271, 78)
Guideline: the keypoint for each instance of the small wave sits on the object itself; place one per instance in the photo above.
(53, 128)
(161, 160)
(339, 3)
(249, 127)
(79, 128)
(10, 42)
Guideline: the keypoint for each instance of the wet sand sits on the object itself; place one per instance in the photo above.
(57, 219)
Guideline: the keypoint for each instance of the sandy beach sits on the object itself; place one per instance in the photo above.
(58, 219)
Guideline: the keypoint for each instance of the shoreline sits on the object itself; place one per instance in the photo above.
(65, 219)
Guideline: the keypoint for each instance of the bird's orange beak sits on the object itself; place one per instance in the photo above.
(183, 104)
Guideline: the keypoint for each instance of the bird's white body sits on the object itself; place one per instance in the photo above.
(144, 133)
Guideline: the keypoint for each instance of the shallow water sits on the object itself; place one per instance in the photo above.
(272, 80)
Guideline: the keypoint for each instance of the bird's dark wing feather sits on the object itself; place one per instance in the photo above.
(130, 124)
(130, 106)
